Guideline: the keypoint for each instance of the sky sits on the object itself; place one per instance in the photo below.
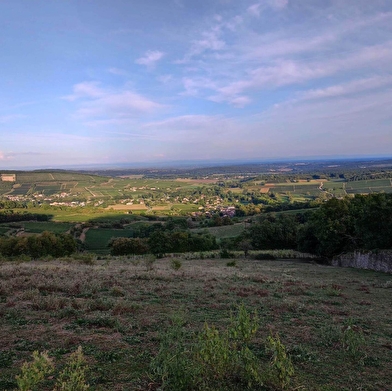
(130, 81)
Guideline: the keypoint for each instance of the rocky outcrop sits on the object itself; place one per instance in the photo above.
(379, 261)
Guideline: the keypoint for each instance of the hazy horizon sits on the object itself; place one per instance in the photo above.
(127, 82)
(185, 164)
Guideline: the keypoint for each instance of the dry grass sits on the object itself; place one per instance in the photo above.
(116, 309)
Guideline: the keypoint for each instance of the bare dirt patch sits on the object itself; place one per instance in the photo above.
(128, 207)
(196, 181)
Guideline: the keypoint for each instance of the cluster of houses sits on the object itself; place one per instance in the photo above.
(8, 177)
(224, 211)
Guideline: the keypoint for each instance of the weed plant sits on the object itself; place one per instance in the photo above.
(216, 359)
(71, 378)
(175, 264)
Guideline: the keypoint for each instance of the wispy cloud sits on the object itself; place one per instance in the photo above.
(254, 9)
(285, 72)
(208, 40)
(88, 89)
(117, 71)
(4, 156)
(193, 86)
(279, 3)
(150, 58)
(10, 118)
(165, 78)
(255, 62)
(352, 87)
(257, 8)
(99, 104)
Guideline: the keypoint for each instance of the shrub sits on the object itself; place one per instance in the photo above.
(281, 369)
(34, 373)
(225, 254)
(352, 340)
(175, 264)
(149, 262)
(212, 359)
(72, 378)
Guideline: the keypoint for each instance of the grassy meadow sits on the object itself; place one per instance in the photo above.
(335, 323)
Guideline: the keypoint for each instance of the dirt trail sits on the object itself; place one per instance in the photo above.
(83, 234)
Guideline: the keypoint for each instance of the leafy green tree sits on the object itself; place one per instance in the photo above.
(125, 246)
(273, 232)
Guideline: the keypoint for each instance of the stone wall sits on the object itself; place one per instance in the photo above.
(379, 261)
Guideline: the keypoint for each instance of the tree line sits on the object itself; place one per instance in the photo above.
(159, 239)
(38, 246)
(10, 216)
(363, 222)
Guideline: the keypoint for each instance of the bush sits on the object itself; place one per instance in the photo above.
(35, 372)
(217, 359)
(175, 264)
(72, 378)
(353, 340)
(225, 254)
(281, 369)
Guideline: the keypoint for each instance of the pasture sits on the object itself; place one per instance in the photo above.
(39, 227)
(224, 231)
(335, 323)
(97, 239)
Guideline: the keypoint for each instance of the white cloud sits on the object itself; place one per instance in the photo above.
(279, 4)
(254, 9)
(210, 40)
(352, 87)
(165, 78)
(96, 103)
(240, 101)
(117, 71)
(233, 23)
(233, 66)
(150, 58)
(88, 89)
(257, 8)
(193, 86)
(283, 72)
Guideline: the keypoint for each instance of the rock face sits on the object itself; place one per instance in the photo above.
(380, 261)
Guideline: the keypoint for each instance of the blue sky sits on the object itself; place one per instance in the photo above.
(99, 81)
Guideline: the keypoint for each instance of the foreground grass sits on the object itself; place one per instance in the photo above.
(334, 322)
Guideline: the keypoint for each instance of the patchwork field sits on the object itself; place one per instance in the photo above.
(225, 231)
(38, 227)
(335, 323)
(97, 239)
(76, 186)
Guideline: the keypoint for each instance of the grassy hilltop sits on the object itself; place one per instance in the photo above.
(334, 323)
